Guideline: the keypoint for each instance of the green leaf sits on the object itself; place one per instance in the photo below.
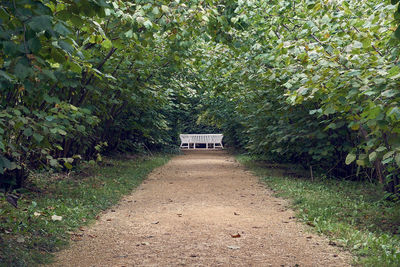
(34, 45)
(357, 44)
(40, 23)
(50, 99)
(10, 48)
(350, 158)
(54, 163)
(66, 46)
(75, 67)
(106, 44)
(394, 71)
(397, 32)
(165, 9)
(22, 71)
(129, 34)
(61, 29)
(13, 166)
(68, 165)
(389, 93)
(38, 137)
(360, 162)
(4, 164)
(388, 155)
(49, 74)
(148, 24)
(155, 11)
(393, 2)
(397, 159)
(329, 110)
(28, 132)
(381, 148)
(394, 111)
(5, 75)
(62, 132)
(372, 156)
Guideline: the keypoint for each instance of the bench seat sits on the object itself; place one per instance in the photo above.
(213, 141)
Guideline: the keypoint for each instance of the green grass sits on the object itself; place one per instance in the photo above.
(354, 215)
(28, 234)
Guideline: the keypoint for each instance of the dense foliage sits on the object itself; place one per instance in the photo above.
(311, 82)
(308, 81)
(79, 78)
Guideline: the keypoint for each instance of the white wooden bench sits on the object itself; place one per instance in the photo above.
(214, 140)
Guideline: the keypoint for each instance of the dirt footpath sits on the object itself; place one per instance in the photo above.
(200, 209)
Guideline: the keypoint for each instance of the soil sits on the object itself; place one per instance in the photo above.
(200, 209)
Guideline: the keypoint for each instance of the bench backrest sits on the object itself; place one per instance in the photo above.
(201, 138)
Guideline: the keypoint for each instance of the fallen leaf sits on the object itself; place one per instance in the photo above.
(233, 247)
(56, 218)
(92, 236)
(237, 235)
(76, 237)
(20, 239)
(36, 214)
(81, 228)
(235, 213)
(108, 220)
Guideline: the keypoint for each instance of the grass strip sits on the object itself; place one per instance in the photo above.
(43, 222)
(354, 215)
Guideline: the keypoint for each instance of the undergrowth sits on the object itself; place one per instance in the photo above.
(353, 215)
(44, 219)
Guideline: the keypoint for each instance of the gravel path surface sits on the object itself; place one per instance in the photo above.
(201, 209)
